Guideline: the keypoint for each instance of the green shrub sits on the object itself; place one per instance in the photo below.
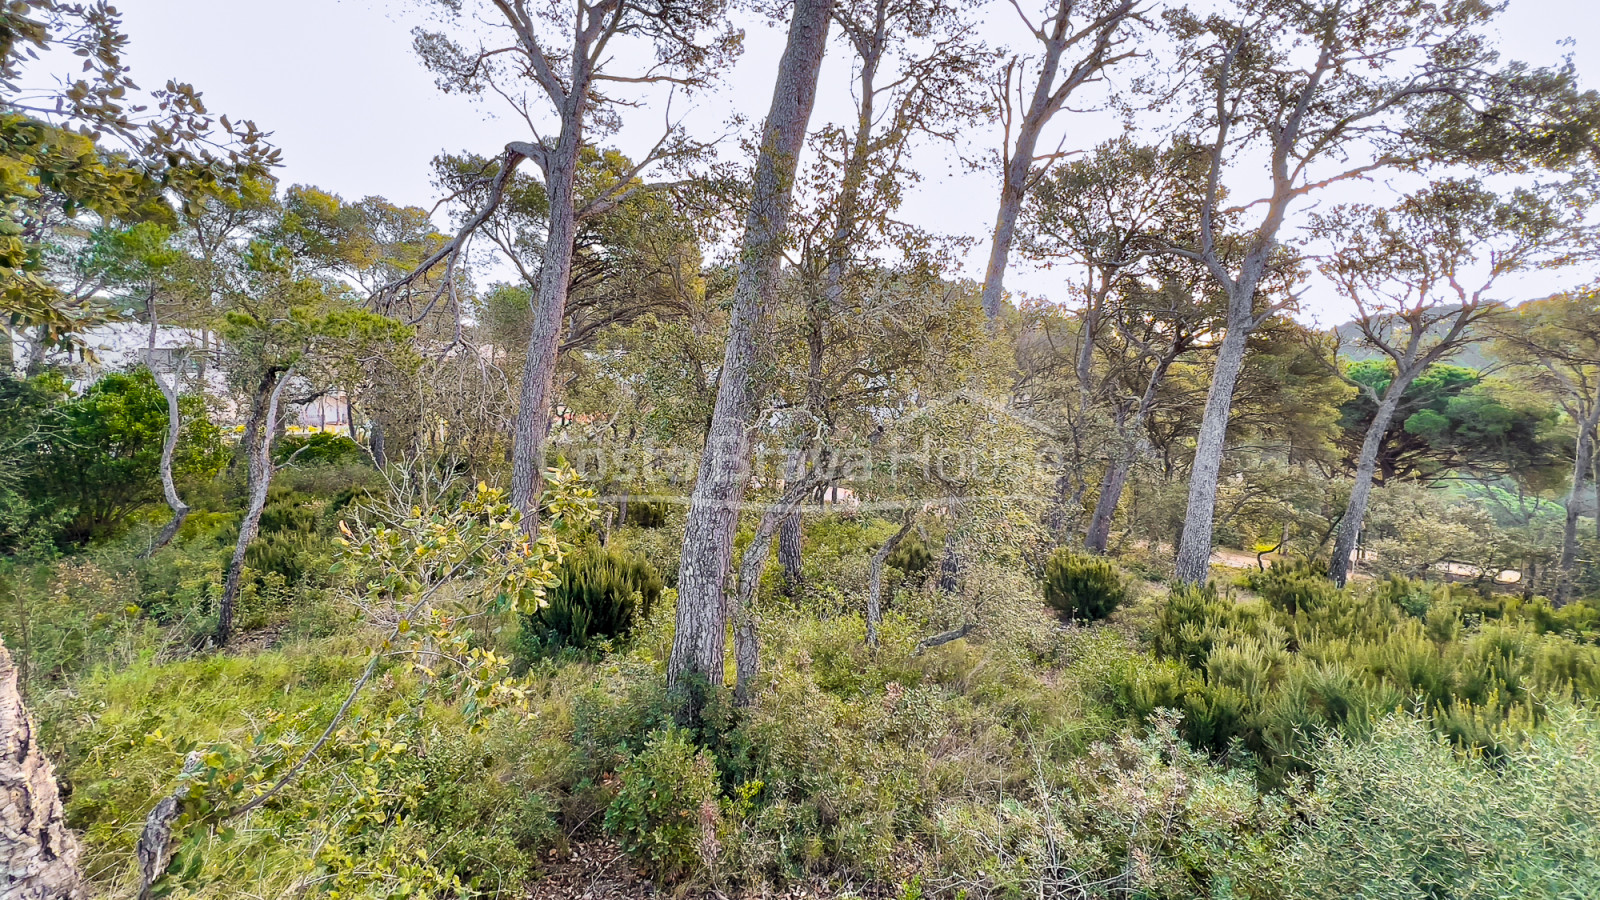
(1079, 586)
(291, 545)
(645, 513)
(293, 555)
(600, 596)
(64, 619)
(666, 808)
(1310, 660)
(319, 449)
(287, 512)
(1293, 586)
(97, 461)
(1410, 594)
(913, 556)
(1402, 815)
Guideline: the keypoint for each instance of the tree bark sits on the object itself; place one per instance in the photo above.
(544, 343)
(1355, 511)
(1112, 484)
(260, 478)
(791, 553)
(697, 646)
(1115, 479)
(169, 488)
(38, 853)
(746, 645)
(1014, 183)
(1194, 548)
(1594, 479)
(1057, 34)
(1569, 533)
(950, 563)
(875, 581)
(377, 443)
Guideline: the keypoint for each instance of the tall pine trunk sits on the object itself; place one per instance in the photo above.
(698, 645)
(544, 342)
(1013, 189)
(1194, 547)
(1355, 511)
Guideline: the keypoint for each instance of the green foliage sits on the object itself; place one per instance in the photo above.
(1309, 660)
(601, 593)
(63, 620)
(29, 522)
(1449, 418)
(319, 448)
(96, 458)
(1411, 595)
(294, 540)
(647, 514)
(180, 586)
(1293, 586)
(913, 557)
(1083, 587)
(665, 813)
(1402, 815)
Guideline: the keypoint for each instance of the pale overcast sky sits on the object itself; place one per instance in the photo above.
(355, 113)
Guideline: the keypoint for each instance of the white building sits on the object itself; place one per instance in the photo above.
(118, 346)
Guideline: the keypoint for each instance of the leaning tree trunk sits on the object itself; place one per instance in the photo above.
(1355, 511)
(1115, 479)
(1014, 179)
(1569, 532)
(697, 647)
(1194, 547)
(169, 488)
(875, 581)
(1013, 189)
(1112, 484)
(38, 854)
(259, 479)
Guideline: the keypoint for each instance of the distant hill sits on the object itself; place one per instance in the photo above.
(1474, 355)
